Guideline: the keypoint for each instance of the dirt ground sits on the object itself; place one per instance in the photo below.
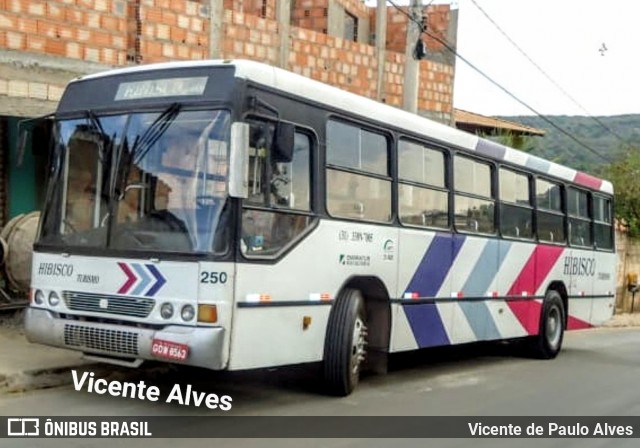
(12, 322)
(624, 320)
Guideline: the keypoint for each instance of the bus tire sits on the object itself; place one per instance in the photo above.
(345, 343)
(548, 342)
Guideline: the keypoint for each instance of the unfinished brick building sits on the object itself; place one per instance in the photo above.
(44, 44)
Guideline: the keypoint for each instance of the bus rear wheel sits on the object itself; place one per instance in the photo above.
(345, 344)
(548, 342)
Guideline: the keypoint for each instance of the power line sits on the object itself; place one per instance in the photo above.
(498, 85)
(546, 75)
(495, 83)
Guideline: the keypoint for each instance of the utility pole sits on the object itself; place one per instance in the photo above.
(381, 46)
(412, 66)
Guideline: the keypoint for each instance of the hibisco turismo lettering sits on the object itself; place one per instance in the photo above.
(579, 266)
(55, 269)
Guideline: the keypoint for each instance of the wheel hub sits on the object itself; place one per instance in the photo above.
(554, 327)
(359, 345)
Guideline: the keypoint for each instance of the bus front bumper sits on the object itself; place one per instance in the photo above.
(123, 342)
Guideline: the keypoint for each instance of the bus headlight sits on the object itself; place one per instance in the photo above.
(39, 297)
(54, 298)
(187, 313)
(166, 310)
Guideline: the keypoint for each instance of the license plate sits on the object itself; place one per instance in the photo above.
(169, 350)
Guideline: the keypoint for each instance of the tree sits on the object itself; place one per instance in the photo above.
(625, 175)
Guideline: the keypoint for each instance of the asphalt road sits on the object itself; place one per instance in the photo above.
(596, 374)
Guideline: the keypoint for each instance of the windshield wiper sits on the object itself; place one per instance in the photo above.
(138, 149)
(93, 118)
(142, 145)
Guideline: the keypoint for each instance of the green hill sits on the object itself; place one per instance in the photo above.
(611, 140)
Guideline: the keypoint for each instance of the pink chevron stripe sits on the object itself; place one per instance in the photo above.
(131, 279)
(573, 323)
(528, 313)
(587, 180)
(534, 272)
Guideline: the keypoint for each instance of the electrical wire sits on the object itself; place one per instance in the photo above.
(498, 85)
(546, 75)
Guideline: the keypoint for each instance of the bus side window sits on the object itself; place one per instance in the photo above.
(290, 181)
(282, 187)
(358, 181)
(259, 142)
(549, 215)
(579, 217)
(603, 225)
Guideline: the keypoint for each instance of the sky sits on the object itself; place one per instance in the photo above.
(564, 38)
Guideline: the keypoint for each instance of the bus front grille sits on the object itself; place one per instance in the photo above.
(102, 303)
(111, 341)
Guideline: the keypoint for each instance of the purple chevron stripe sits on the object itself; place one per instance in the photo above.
(435, 264)
(160, 280)
(424, 319)
(426, 325)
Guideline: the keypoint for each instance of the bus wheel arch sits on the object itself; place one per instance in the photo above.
(358, 331)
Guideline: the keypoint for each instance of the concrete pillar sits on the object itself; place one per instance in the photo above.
(216, 14)
(412, 66)
(283, 15)
(381, 44)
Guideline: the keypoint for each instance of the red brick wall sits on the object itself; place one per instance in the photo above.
(339, 62)
(310, 14)
(250, 37)
(91, 30)
(173, 29)
(261, 8)
(436, 88)
(438, 19)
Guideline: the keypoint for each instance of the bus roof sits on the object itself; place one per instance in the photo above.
(334, 97)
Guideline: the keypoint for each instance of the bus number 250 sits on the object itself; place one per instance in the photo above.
(213, 278)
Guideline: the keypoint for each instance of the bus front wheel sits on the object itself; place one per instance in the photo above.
(345, 343)
(548, 342)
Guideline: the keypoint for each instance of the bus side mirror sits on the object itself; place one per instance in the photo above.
(239, 161)
(34, 132)
(282, 150)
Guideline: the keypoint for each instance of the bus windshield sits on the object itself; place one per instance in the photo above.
(148, 181)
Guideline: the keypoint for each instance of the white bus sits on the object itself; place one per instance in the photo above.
(232, 215)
